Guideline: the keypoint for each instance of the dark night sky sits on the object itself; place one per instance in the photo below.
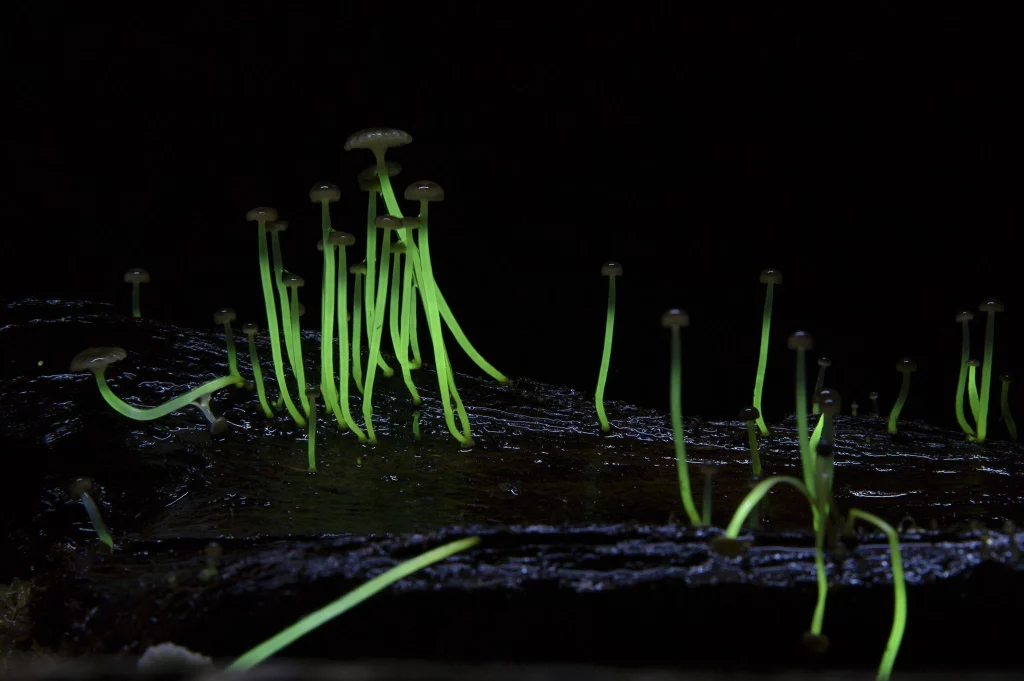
(864, 151)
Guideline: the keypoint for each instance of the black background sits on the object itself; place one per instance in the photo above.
(868, 150)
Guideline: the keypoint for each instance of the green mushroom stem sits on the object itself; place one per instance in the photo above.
(853, 408)
(750, 415)
(136, 276)
(385, 223)
(899, 615)
(325, 193)
(312, 393)
(342, 240)
(674, 320)
(96, 360)
(80, 490)
(358, 270)
(250, 330)
(613, 271)
(961, 381)
(398, 250)
(709, 475)
(905, 366)
(973, 398)
(275, 228)
(991, 307)
(770, 277)
(1004, 406)
(802, 342)
(261, 216)
(225, 316)
(292, 283)
(873, 396)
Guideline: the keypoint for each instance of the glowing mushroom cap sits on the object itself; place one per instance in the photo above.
(854, 405)
(830, 401)
(824, 362)
(80, 487)
(292, 279)
(358, 268)
(675, 319)
(800, 340)
(136, 275)
(278, 226)
(324, 192)
(370, 173)
(974, 362)
(97, 359)
(424, 190)
(377, 139)
(872, 395)
(398, 248)
(261, 214)
(1006, 378)
(224, 315)
(341, 239)
(611, 269)
(387, 222)
(771, 276)
(964, 316)
(991, 305)
(749, 414)
(250, 328)
(906, 365)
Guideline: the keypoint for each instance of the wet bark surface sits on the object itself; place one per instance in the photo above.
(583, 558)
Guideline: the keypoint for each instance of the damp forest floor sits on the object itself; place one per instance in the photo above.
(583, 558)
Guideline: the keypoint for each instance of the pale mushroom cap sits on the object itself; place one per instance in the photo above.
(261, 214)
(219, 426)
(292, 279)
(424, 190)
(302, 309)
(1006, 378)
(749, 414)
(250, 328)
(398, 248)
(675, 319)
(771, 276)
(97, 359)
(387, 222)
(358, 268)
(991, 305)
(800, 340)
(611, 269)
(320, 245)
(872, 395)
(906, 365)
(377, 138)
(136, 275)
(411, 222)
(370, 173)
(974, 362)
(278, 226)
(824, 362)
(80, 487)
(313, 392)
(830, 401)
(224, 315)
(964, 316)
(324, 191)
(854, 405)
(341, 239)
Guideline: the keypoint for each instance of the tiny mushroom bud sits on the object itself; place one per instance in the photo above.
(611, 269)
(675, 319)
(771, 276)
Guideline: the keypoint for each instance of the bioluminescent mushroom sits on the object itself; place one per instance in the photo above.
(1004, 406)
(312, 392)
(613, 271)
(325, 194)
(80, 490)
(291, 283)
(225, 316)
(674, 320)
(823, 364)
(905, 366)
(750, 415)
(770, 277)
(341, 241)
(136, 276)
(961, 381)
(990, 306)
(250, 329)
(262, 216)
